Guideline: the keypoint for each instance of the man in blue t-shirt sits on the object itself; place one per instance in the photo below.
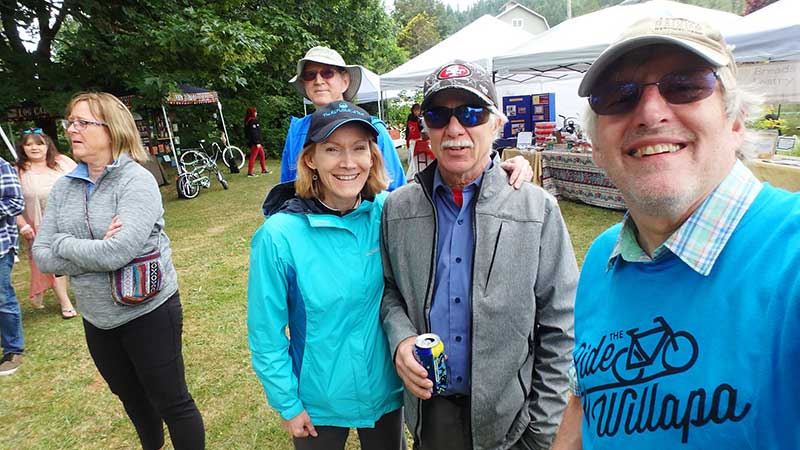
(687, 313)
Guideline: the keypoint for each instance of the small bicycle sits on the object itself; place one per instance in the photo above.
(195, 174)
(232, 156)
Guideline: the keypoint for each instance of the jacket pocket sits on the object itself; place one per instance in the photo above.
(494, 255)
(525, 374)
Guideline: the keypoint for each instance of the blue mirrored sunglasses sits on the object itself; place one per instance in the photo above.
(467, 115)
(33, 130)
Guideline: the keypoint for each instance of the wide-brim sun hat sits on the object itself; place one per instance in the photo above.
(698, 38)
(328, 56)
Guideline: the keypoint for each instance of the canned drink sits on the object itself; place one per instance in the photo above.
(429, 350)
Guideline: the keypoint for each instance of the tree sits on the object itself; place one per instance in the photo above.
(419, 34)
(246, 50)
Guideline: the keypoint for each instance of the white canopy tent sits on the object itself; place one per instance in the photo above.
(574, 44)
(767, 50)
(477, 42)
(770, 34)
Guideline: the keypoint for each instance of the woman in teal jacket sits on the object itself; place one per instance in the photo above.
(315, 266)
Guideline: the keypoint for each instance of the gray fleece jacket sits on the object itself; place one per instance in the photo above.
(64, 245)
(524, 277)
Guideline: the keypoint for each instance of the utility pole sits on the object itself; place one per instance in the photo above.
(569, 9)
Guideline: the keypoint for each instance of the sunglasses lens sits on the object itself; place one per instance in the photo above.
(687, 87)
(312, 75)
(616, 98)
(437, 117)
(470, 116)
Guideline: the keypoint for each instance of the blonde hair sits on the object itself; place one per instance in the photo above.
(121, 125)
(307, 187)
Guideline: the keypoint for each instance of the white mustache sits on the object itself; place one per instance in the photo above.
(456, 143)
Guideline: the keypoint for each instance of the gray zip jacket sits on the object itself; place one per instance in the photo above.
(524, 278)
(64, 245)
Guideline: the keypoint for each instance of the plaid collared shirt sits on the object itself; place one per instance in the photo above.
(11, 205)
(700, 240)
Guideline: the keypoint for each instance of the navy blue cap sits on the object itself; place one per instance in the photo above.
(330, 117)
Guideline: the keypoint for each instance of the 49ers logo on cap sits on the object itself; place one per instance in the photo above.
(454, 71)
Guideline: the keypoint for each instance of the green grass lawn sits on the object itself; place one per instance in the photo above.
(57, 399)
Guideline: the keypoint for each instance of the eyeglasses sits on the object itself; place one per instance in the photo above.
(33, 130)
(467, 115)
(311, 75)
(676, 88)
(79, 124)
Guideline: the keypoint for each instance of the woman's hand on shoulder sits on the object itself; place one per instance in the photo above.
(519, 170)
(299, 426)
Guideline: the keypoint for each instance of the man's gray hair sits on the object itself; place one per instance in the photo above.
(740, 103)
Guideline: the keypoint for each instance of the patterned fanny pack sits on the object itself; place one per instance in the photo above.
(139, 281)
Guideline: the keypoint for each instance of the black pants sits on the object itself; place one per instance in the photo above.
(142, 363)
(388, 434)
(446, 424)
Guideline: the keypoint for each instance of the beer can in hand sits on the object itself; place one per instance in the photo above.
(429, 350)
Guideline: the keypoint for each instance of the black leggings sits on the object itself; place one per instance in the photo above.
(142, 363)
(388, 434)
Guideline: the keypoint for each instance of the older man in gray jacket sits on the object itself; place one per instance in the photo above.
(490, 270)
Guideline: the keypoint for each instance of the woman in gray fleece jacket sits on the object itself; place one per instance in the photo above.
(100, 217)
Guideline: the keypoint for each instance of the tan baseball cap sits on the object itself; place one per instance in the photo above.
(697, 37)
(330, 57)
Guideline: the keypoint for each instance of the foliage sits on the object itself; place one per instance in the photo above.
(398, 109)
(443, 17)
(770, 121)
(419, 34)
(245, 50)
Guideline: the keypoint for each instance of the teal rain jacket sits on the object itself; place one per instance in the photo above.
(322, 275)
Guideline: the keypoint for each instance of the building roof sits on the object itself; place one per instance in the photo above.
(512, 4)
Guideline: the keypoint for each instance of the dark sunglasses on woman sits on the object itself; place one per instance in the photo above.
(311, 75)
(467, 116)
(677, 88)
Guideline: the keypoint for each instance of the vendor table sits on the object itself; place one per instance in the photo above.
(781, 171)
(573, 176)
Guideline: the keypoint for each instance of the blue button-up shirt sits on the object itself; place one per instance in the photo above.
(451, 313)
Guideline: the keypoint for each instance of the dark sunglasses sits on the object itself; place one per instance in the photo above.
(677, 88)
(33, 130)
(467, 115)
(311, 75)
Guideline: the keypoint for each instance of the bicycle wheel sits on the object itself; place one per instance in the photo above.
(188, 185)
(191, 159)
(233, 156)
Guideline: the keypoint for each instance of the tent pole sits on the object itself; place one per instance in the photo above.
(224, 128)
(8, 143)
(380, 102)
(171, 141)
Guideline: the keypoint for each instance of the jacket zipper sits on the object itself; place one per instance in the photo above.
(428, 295)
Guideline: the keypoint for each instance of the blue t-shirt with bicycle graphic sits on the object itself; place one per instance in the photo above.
(669, 359)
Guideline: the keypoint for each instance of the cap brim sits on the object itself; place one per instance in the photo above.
(348, 95)
(483, 98)
(325, 132)
(608, 57)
